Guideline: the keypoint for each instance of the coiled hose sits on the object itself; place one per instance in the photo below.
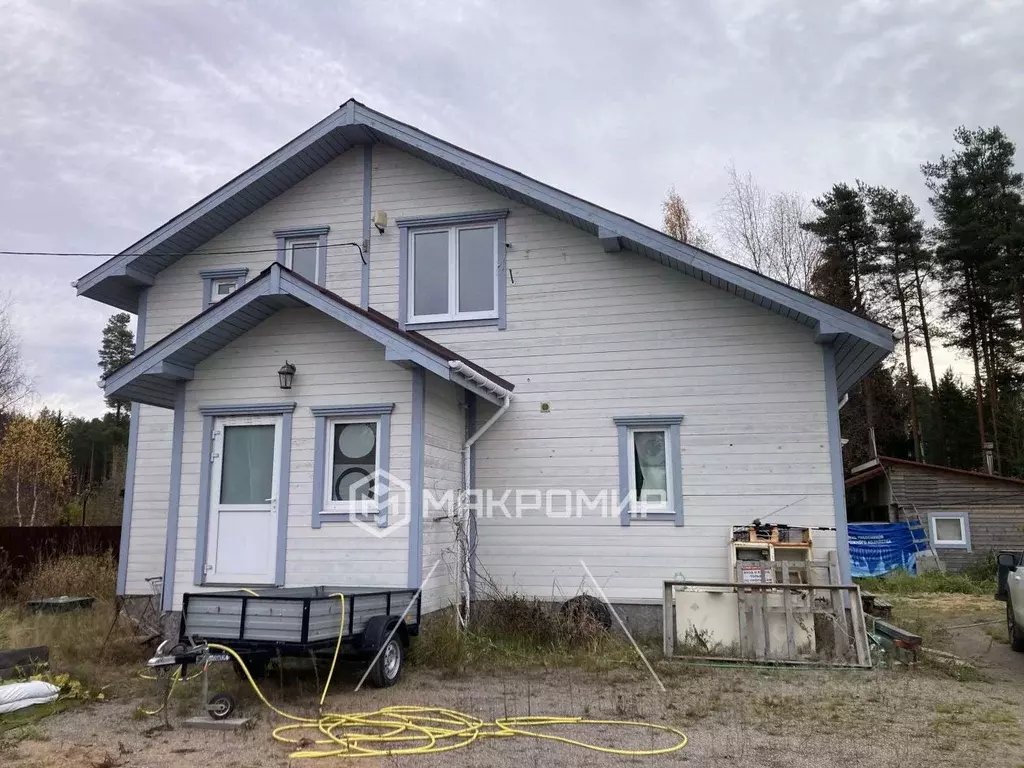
(414, 730)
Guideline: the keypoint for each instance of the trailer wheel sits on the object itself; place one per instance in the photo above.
(388, 669)
(221, 706)
(1015, 632)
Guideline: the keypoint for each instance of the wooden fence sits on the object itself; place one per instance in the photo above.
(21, 548)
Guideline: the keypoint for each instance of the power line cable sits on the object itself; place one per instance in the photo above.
(236, 252)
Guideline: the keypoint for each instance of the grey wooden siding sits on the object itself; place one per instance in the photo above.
(994, 508)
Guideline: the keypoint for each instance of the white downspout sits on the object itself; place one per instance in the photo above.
(506, 400)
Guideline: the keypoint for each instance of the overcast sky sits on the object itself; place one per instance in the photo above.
(115, 116)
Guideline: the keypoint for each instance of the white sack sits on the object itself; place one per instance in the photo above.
(15, 696)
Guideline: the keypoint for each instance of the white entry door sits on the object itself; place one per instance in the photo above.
(243, 500)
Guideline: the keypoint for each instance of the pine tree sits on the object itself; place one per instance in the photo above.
(118, 347)
(849, 258)
(976, 195)
(899, 234)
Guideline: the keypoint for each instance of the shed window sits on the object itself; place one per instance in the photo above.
(950, 530)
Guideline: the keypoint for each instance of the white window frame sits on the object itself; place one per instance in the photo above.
(964, 542)
(364, 507)
(215, 296)
(453, 313)
(639, 506)
(289, 248)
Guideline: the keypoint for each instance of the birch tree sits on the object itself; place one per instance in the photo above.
(765, 232)
(34, 468)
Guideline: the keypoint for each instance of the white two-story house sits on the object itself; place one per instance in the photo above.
(338, 342)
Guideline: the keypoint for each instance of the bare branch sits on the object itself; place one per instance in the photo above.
(15, 385)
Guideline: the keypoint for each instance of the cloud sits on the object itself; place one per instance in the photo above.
(117, 115)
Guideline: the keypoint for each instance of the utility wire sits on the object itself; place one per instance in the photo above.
(94, 255)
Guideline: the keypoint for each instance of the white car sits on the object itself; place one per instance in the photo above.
(1011, 589)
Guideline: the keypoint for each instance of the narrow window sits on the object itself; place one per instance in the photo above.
(352, 461)
(650, 468)
(651, 477)
(303, 257)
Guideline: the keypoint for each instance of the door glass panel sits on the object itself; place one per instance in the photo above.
(248, 464)
(430, 274)
(476, 269)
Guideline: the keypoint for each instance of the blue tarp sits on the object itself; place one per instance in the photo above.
(878, 548)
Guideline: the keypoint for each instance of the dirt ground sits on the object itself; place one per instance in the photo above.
(928, 716)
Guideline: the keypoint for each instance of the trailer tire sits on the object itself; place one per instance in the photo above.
(388, 669)
(221, 706)
(1015, 631)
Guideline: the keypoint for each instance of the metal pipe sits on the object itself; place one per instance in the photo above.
(506, 400)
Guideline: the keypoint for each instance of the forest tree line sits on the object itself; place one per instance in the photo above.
(955, 279)
(58, 469)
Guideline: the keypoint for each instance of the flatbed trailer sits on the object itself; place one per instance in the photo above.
(262, 624)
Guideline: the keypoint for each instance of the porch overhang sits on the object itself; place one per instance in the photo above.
(152, 376)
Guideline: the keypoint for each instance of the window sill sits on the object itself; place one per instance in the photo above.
(950, 545)
(653, 517)
(328, 516)
(441, 324)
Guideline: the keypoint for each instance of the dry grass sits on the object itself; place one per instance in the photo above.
(510, 631)
(77, 640)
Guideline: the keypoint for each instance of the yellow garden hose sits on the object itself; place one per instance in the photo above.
(414, 730)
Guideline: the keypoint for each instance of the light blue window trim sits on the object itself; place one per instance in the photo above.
(675, 455)
(173, 498)
(364, 288)
(964, 526)
(209, 276)
(418, 448)
(251, 409)
(211, 412)
(835, 452)
(412, 223)
(305, 233)
(323, 415)
(133, 449)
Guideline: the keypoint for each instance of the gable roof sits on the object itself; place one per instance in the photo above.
(876, 468)
(859, 343)
(151, 376)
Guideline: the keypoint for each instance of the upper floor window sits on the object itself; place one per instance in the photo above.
(301, 257)
(218, 284)
(303, 250)
(222, 288)
(453, 269)
(454, 274)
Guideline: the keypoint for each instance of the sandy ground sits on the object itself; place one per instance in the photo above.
(900, 718)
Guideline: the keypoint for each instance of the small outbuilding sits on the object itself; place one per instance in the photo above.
(966, 514)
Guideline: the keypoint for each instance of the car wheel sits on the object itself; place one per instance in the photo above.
(1015, 632)
(388, 669)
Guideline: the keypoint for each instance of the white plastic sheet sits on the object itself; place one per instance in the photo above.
(15, 696)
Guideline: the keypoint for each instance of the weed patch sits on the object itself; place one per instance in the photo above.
(980, 582)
